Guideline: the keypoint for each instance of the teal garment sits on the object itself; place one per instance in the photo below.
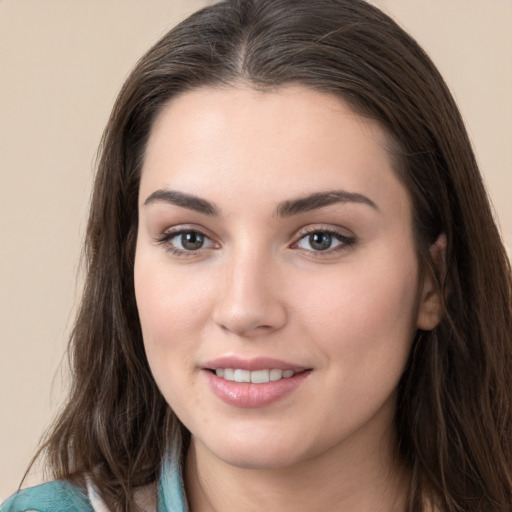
(58, 496)
(62, 496)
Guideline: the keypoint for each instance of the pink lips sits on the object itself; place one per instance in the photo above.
(250, 395)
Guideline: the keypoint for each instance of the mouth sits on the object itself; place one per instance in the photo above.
(254, 377)
(252, 383)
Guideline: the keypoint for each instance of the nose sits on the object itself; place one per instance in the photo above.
(250, 301)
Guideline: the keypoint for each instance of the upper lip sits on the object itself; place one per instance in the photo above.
(252, 364)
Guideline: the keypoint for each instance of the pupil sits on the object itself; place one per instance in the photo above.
(320, 241)
(192, 241)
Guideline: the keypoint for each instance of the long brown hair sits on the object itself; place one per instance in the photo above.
(454, 416)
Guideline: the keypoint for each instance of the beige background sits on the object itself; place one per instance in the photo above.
(61, 65)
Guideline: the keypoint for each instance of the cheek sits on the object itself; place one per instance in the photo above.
(363, 310)
(362, 320)
(171, 310)
(168, 301)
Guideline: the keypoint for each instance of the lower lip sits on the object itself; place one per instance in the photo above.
(249, 395)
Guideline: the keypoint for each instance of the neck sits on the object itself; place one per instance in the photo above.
(352, 477)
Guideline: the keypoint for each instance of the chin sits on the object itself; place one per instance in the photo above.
(257, 452)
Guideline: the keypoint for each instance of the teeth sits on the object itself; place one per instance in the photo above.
(242, 376)
(260, 376)
(256, 377)
(229, 374)
(276, 375)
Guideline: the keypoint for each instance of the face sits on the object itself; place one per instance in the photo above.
(275, 274)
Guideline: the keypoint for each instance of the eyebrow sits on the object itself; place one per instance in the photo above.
(184, 200)
(320, 200)
(287, 208)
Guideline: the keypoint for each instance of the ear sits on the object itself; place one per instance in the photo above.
(430, 307)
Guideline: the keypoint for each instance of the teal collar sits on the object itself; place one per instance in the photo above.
(62, 496)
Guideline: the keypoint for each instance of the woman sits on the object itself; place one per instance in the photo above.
(296, 296)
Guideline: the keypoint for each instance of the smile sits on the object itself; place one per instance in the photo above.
(254, 377)
(254, 387)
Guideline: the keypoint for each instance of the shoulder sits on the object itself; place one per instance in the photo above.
(57, 496)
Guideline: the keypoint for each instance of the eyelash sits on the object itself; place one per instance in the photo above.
(346, 242)
(166, 237)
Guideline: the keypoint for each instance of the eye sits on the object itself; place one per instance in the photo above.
(324, 240)
(185, 241)
(188, 241)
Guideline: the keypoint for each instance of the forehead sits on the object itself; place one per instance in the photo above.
(240, 111)
(291, 140)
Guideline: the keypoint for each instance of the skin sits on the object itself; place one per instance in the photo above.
(258, 287)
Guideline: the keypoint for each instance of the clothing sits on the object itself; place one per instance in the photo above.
(62, 496)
